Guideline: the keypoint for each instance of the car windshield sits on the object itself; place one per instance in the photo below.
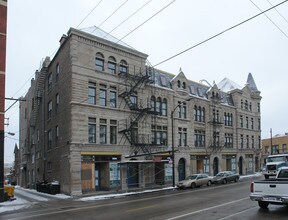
(220, 174)
(193, 177)
(276, 159)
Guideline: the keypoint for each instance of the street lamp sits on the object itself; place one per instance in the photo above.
(173, 147)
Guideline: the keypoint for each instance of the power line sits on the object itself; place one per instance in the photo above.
(147, 20)
(270, 20)
(216, 35)
(278, 12)
(89, 14)
(113, 13)
(128, 18)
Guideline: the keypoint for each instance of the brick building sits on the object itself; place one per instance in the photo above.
(97, 117)
(276, 144)
(3, 31)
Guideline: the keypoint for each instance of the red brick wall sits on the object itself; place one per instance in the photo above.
(3, 31)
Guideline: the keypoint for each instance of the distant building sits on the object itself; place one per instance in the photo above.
(276, 144)
(97, 117)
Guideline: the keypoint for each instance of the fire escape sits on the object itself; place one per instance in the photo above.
(215, 144)
(140, 112)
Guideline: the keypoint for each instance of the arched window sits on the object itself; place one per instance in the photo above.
(99, 61)
(112, 65)
(123, 67)
(158, 105)
(164, 107)
(184, 85)
(178, 83)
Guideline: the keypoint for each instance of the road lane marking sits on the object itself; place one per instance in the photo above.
(206, 209)
(141, 208)
(237, 213)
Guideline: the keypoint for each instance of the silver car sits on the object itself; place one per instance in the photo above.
(195, 180)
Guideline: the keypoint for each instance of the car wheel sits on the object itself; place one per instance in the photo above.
(263, 205)
(224, 181)
(209, 183)
(266, 177)
(193, 185)
(236, 180)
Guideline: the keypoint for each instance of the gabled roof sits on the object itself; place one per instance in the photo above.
(227, 85)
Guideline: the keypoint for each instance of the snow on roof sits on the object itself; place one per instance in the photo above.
(227, 85)
(104, 35)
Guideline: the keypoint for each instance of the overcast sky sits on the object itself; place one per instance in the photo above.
(258, 46)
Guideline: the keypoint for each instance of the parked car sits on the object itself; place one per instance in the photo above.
(225, 177)
(195, 180)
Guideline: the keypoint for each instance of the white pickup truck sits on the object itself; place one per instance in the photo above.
(272, 191)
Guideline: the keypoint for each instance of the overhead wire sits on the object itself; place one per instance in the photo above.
(89, 13)
(278, 12)
(270, 20)
(146, 20)
(112, 13)
(220, 33)
(128, 18)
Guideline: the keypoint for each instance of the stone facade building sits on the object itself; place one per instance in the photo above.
(97, 117)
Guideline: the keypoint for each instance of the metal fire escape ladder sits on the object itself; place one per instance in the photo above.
(139, 143)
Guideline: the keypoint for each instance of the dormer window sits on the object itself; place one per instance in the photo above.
(178, 84)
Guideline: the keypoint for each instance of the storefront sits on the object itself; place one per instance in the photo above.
(100, 172)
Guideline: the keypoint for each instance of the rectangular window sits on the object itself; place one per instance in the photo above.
(247, 141)
(228, 140)
(92, 130)
(241, 121)
(216, 139)
(113, 132)
(113, 102)
(49, 139)
(199, 137)
(184, 111)
(179, 136)
(49, 109)
(112, 67)
(57, 134)
(57, 71)
(102, 97)
(184, 136)
(50, 82)
(159, 135)
(252, 142)
(92, 93)
(99, 64)
(133, 100)
(57, 100)
(284, 148)
(252, 123)
(247, 122)
(103, 131)
(241, 141)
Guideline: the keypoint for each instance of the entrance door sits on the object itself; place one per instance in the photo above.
(181, 169)
(132, 175)
(215, 166)
(241, 165)
(159, 173)
(97, 178)
(229, 164)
